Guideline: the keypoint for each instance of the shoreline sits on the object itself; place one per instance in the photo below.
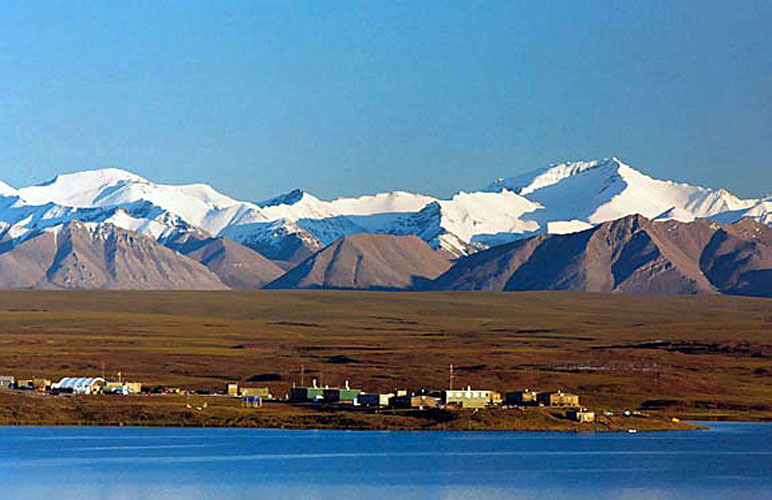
(224, 412)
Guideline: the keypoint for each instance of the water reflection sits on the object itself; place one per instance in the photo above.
(729, 461)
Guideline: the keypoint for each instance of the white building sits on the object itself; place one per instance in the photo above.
(80, 385)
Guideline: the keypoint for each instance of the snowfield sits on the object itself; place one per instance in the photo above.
(561, 198)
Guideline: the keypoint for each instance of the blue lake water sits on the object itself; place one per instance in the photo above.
(729, 461)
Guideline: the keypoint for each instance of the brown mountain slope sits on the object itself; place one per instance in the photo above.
(367, 262)
(738, 259)
(628, 255)
(236, 265)
(82, 256)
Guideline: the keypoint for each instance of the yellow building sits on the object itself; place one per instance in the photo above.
(23, 383)
(525, 397)
(581, 416)
(123, 388)
(468, 398)
(41, 384)
(558, 398)
(262, 392)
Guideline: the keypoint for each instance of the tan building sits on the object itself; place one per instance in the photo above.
(261, 392)
(41, 384)
(25, 383)
(558, 398)
(526, 397)
(122, 388)
(468, 398)
(232, 389)
(417, 401)
(582, 416)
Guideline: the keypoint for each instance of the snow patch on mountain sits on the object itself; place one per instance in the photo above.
(561, 198)
(531, 181)
(597, 191)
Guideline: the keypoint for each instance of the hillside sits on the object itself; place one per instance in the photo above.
(628, 255)
(236, 265)
(380, 262)
(84, 255)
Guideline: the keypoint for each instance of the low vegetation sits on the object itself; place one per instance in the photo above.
(699, 357)
(222, 411)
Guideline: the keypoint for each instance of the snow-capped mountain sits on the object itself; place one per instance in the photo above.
(562, 198)
(198, 205)
(604, 190)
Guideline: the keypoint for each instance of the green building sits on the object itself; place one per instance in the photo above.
(305, 394)
(338, 394)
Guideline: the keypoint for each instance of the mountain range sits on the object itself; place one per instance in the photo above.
(564, 226)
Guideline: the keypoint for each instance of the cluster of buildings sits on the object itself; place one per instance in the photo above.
(253, 397)
(73, 385)
(448, 399)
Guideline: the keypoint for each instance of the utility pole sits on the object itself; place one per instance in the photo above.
(302, 376)
(451, 377)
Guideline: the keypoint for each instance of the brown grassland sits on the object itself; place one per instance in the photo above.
(700, 357)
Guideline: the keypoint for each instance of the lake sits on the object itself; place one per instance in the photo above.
(731, 460)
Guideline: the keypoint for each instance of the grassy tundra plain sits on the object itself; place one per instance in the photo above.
(703, 357)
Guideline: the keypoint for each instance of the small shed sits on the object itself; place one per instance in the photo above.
(581, 415)
(6, 382)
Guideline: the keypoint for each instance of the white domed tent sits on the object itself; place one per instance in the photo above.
(80, 385)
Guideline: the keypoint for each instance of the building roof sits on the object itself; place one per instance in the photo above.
(78, 384)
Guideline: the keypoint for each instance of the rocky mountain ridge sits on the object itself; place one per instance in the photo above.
(248, 245)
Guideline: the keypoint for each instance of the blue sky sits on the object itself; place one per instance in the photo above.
(347, 97)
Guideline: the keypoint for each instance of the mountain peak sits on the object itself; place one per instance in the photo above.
(290, 198)
(106, 175)
(66, 189)
(367, 261)
(7, 190)
(533, 180)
